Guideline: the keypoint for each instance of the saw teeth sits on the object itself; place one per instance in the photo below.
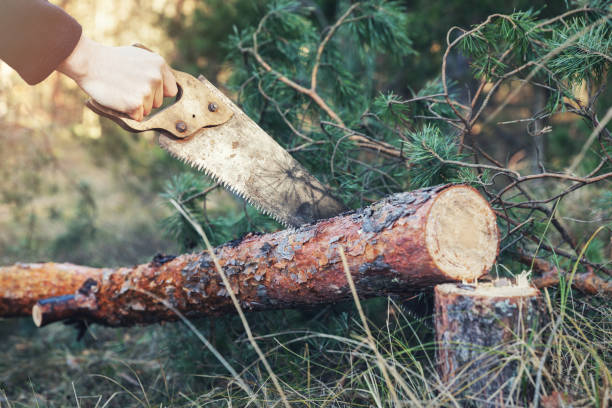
(201, 167)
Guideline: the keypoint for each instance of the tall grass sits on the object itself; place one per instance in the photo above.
(334, 364)
(366, 359)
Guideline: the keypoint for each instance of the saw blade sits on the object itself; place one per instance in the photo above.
(248, 162)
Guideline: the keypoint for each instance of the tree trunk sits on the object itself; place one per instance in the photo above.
(476, 326)
(406, 241)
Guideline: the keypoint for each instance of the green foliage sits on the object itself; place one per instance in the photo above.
(184, 188)
(586, 59)
(489, 42)
(575, 49)
(201, 35)
(191, 191)
(80, 227)
(369, 138)
(384, 27)
(426, 151)
(346, 66)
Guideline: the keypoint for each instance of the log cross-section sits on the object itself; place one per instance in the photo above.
(405, 241)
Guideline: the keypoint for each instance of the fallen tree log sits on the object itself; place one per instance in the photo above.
(476, 326)
(405, 241)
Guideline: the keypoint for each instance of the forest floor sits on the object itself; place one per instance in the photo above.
(320, 357)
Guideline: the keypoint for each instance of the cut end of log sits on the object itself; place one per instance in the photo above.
(37, 315)
(487, 289)
(461, 233)
(58, 308)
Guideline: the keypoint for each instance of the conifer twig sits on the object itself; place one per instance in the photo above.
(604, 121)
(284, 79)
(330, 33)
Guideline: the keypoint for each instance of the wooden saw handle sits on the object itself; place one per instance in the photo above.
(194, 109)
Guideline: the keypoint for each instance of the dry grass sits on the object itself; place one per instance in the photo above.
(338, 363)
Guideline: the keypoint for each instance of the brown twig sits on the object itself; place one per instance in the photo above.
(202, 193)
(321, 48)
(362, 140)
(549, 275)
(555, 250)
(284, 79)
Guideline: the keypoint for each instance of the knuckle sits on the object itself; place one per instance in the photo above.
(132, 104)
(157, 62)
(157, 81)
(153, 78)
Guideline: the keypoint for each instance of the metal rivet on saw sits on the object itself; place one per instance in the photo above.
(181, 126)
(212, 107)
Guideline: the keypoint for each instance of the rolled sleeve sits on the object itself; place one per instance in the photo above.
(35, 37)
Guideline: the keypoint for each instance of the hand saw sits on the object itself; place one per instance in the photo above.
(208, 131)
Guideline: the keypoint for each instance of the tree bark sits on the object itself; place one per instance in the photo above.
(21, 285)
(406, 241)
(476, 326)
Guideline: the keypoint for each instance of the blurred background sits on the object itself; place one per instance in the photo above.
(75, 188)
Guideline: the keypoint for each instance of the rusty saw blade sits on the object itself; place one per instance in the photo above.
(208, 131)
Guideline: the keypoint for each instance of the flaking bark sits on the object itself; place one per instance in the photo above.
(384, 244)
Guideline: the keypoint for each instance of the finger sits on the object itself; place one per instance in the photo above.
(147, 104)
(137, 114)
(170, 88)
(158, 97)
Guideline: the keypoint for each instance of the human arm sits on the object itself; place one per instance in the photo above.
(126, 79)
(37, 38)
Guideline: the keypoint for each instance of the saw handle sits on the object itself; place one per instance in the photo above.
(195, 107)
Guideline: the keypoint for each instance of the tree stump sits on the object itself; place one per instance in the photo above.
(476, 327)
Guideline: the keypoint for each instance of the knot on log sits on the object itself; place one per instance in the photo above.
(78, 305)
